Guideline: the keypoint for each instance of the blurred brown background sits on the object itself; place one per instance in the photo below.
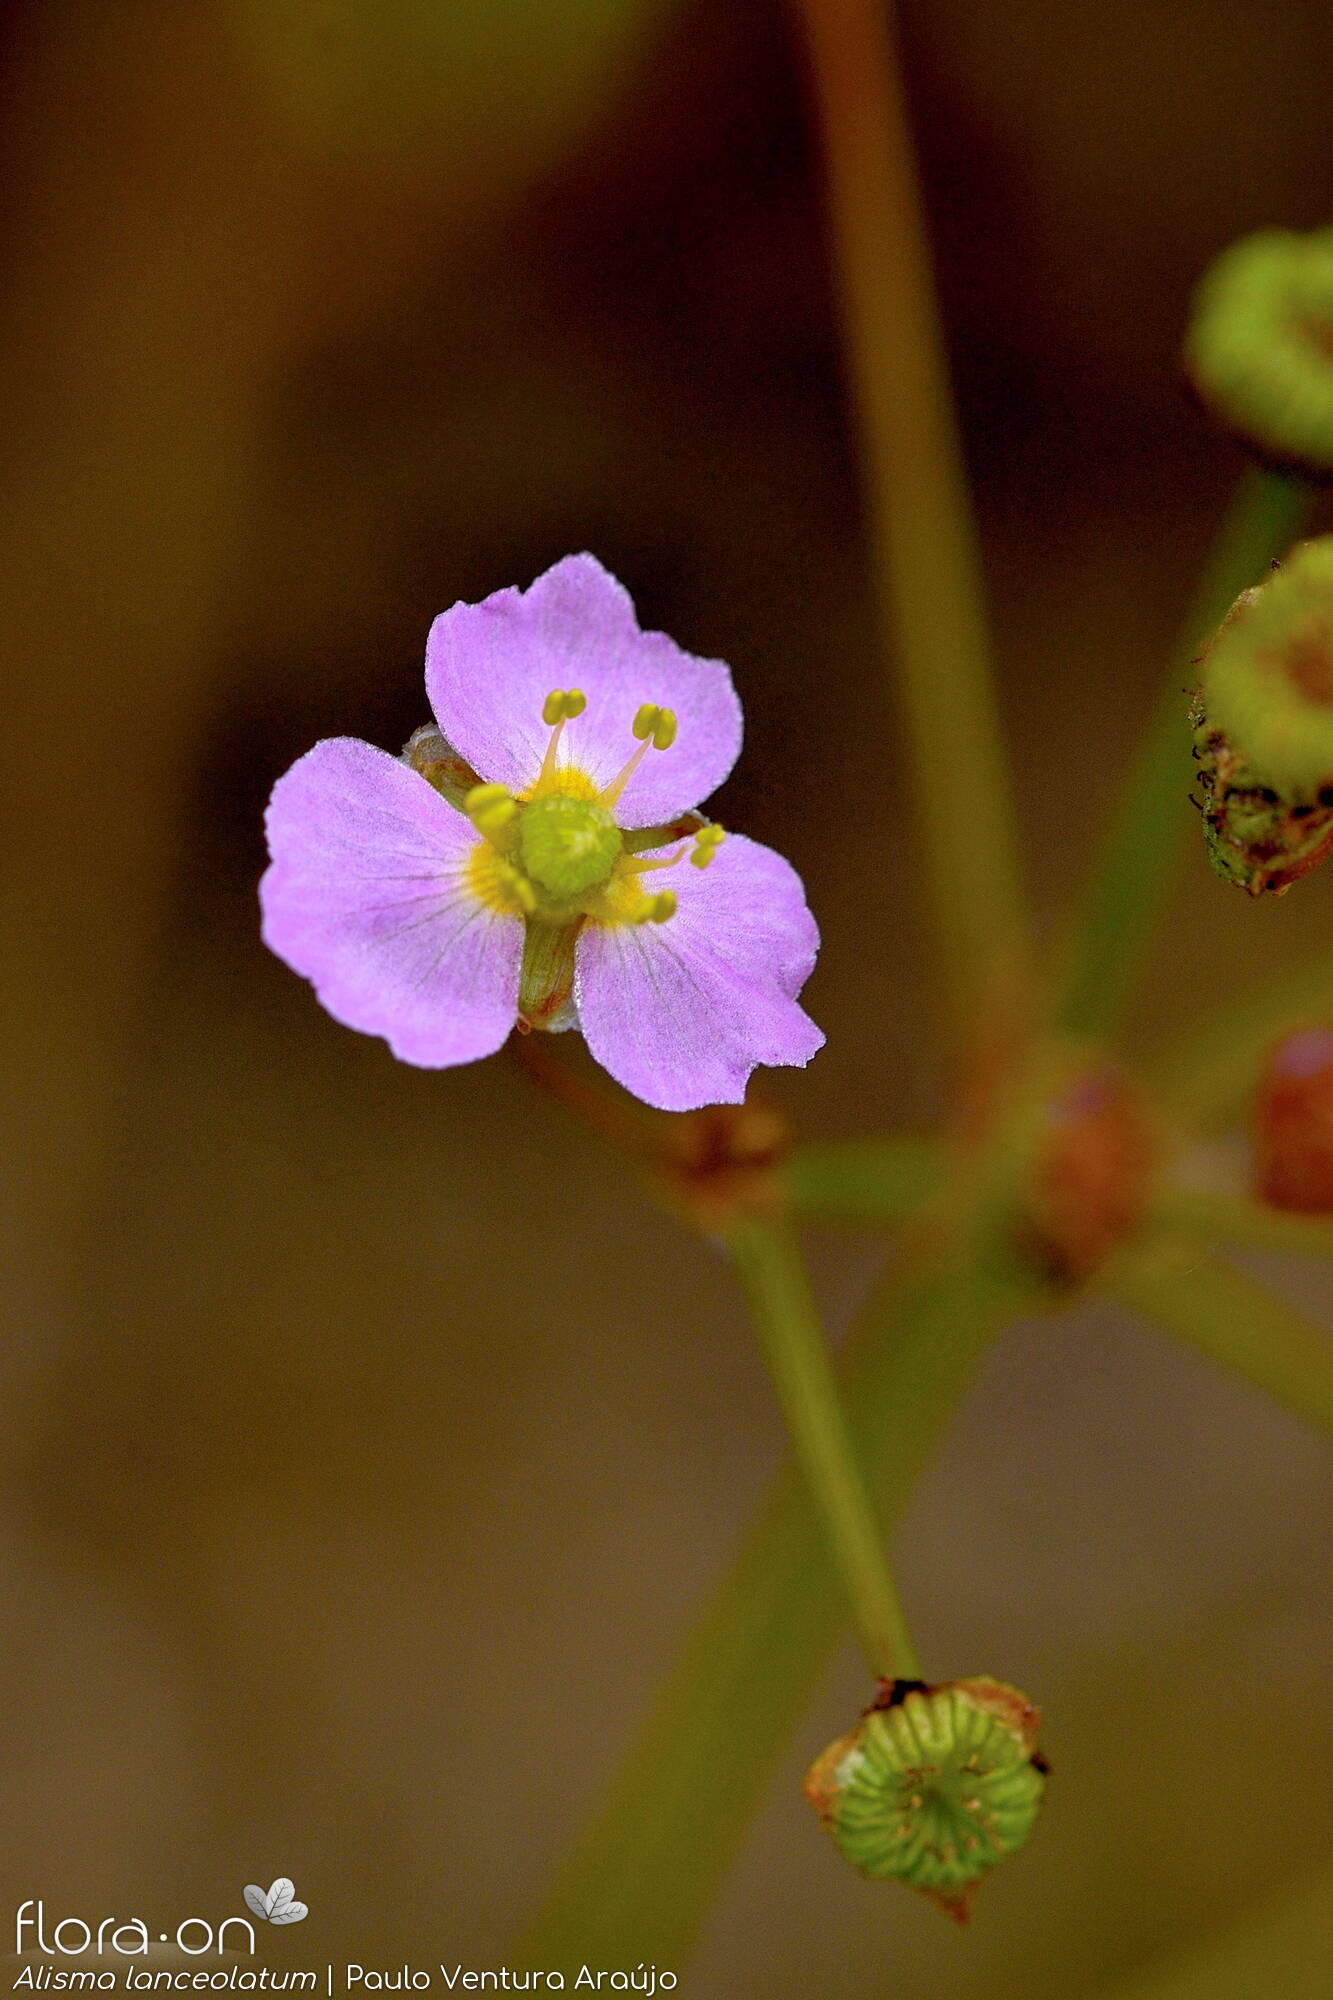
(360, 1473)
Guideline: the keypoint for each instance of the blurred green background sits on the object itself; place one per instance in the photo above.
(367, 1442)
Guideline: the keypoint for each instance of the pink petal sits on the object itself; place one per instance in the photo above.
(681, 1012)
(490, 666)
(367, 897)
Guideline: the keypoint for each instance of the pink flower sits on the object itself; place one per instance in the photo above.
(539, 856)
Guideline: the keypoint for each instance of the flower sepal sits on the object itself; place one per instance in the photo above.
(722, 1164)
(433, 757)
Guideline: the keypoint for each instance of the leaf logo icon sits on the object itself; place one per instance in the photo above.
(278, 1906)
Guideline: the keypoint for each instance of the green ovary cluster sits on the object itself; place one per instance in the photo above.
(567, 845)
(1267, 678)
(934, 1790)
(555, 855)
(1260, 348)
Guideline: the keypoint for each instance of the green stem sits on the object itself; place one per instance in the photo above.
(920, 522)
(640, 1883)
(786, 1320)
(1228, 1218)
(864, 1180)
(1136, 871)
(1233, 1320)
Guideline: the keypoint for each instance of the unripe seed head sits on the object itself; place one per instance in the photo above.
(1260, 346)
(935, 1785)
(1267, 677)
(567, 844)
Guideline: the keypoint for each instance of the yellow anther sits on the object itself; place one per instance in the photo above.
(562, 705)
(657, 724)
(498, 884)
(519, 887)
(490, 808)
(706, 843)
(660, 907)
(651, 725)
(482, 797)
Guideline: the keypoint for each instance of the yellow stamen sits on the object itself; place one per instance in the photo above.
(563, 704)
(498, 884)
(653, 726)
(706, 843)
(491, 810)
(643, 839)
(560, 706)
(623, 776)
(656, 723)
(519, 888)
(636, 867)
(659, 908)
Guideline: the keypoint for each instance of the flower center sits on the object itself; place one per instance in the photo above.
(567, 845)
(554, 854)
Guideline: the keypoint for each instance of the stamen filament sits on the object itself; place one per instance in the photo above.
(622, 777)
(645, 867)
(548, 761)
(653, 725)
(560, 706)
(643, 839)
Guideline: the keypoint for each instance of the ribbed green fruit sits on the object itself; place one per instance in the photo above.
(1260, 346)
(1267, 677)
(933, 1786)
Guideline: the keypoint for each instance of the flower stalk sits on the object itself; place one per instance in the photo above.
(645, 1872)
(786, 1320)
(921, 530)
(864, 1180)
